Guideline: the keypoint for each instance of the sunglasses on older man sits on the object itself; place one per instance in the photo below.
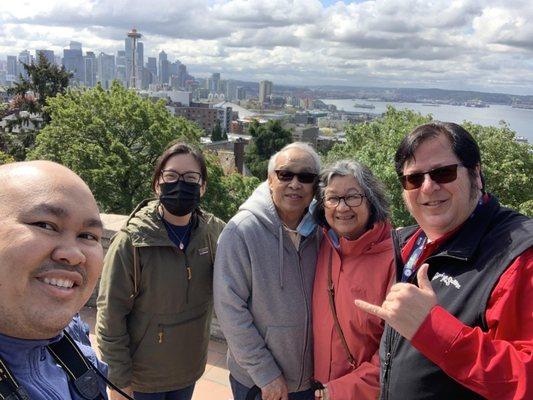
(445, 174)
(303, 177)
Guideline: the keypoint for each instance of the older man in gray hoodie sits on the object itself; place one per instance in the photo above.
(264, 271)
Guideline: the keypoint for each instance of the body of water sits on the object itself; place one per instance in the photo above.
(520, 120)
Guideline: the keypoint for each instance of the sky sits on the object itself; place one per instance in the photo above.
(482, 45)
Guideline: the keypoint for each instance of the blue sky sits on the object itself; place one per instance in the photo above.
(451, 44)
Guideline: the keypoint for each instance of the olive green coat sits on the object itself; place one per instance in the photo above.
(155, 303)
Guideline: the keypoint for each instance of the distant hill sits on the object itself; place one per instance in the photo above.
(415, 95)
(418, 95)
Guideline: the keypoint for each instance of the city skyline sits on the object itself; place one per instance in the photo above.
(468, 45)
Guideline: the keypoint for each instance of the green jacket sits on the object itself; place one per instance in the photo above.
(155, 302)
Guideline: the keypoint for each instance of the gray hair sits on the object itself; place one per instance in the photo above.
(296, 145)
(373, 189)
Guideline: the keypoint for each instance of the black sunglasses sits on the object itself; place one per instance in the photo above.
(445, 174)
(303, 177)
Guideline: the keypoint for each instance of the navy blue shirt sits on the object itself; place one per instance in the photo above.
(35, 369)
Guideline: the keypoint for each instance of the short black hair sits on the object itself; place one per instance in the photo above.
(463, 145)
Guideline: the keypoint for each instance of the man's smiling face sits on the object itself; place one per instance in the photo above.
(50, 250)
(440, 207)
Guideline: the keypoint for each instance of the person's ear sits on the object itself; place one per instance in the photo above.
(203, 188)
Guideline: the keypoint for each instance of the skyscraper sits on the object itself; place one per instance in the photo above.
(12, 70)
(90, 69)
(151, 65)
(24, 58)
(12, 65)
(265, 90)
(163, 68)
(241, 93)
(106, 69)
(214, 83)
(73, 61)
(173, 68)
(231, 90)
(182, 75)
(121, 67)
(75, 45)
(139, 63)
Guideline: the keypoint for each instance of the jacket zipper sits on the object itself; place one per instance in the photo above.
(392, 341)
(391, 336)
(188, 270)
(306, 330)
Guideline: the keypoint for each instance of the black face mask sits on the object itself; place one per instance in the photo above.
(180, 198)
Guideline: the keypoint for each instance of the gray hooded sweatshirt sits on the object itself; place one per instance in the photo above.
(263, 290)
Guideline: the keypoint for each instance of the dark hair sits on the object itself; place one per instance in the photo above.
(463, 145)
(373, 190)
(173, 149)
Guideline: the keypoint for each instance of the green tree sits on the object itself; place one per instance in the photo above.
(506, 164)
(112, 140)
(3, 109)
(44, 80)
(217, 134)
(17, 144)
(5, 158)
(225, 193)
(267, 139)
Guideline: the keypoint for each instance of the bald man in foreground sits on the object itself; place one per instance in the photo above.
(50, 258)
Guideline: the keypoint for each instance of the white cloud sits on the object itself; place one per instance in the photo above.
(482, 44)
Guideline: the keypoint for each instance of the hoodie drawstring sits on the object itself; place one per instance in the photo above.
(280, 251)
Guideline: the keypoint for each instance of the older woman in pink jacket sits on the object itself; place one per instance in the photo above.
(355, 262)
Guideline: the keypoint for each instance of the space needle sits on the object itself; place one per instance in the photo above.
(134, 35)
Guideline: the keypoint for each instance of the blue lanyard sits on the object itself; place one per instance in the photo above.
(418, 248)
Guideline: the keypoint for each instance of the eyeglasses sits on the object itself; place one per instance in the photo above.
(352, 200)
(445, 174)
(170, 176)
(303, 177)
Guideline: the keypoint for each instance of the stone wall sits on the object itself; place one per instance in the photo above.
(112, 224)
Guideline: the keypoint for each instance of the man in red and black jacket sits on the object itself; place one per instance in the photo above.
(459, 320)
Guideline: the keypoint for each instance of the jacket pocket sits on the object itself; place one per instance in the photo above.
(174, 349)
(286, 344)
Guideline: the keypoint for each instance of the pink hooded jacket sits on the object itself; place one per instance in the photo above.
(361, 269)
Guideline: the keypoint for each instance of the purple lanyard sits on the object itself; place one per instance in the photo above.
(417, 250)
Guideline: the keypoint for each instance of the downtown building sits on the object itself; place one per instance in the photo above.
(106, 69)
(206, 116)
(73, 62)
(265, 91)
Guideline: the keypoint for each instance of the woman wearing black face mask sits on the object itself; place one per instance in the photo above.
(155, 300)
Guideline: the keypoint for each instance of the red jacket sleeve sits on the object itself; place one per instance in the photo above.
(497, 364)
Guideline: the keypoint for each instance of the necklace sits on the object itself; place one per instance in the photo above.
(175, 235)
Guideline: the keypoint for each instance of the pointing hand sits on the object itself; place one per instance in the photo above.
(406, 305)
